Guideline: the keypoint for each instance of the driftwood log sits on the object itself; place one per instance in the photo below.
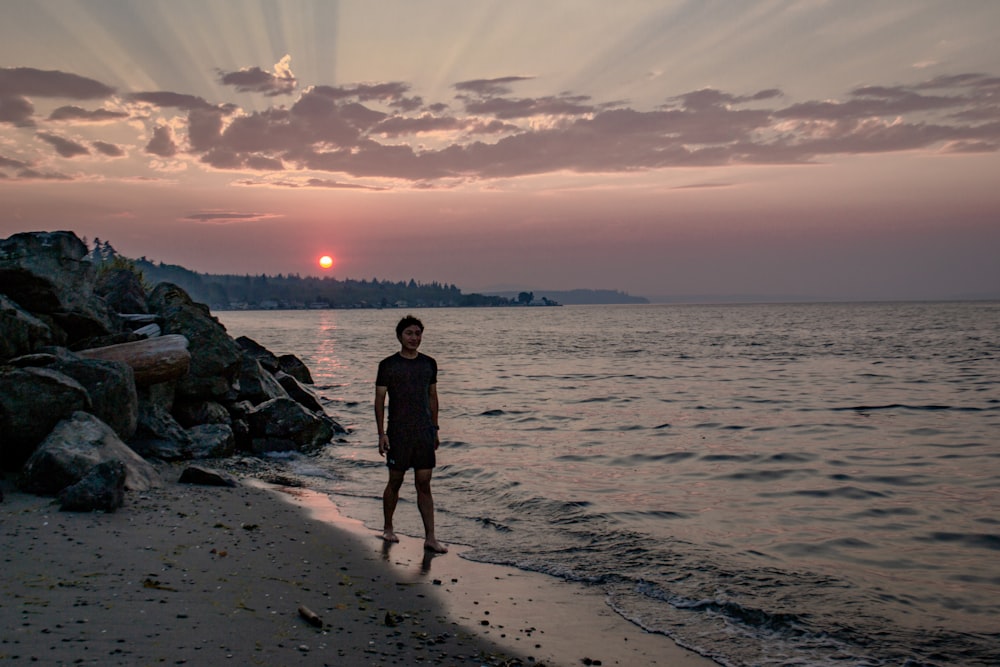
(152, 360)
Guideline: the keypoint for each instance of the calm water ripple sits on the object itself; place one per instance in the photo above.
(808, 484)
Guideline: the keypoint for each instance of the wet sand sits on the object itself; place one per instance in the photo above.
(204, 575)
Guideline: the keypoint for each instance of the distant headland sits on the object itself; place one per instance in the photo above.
(294, 292)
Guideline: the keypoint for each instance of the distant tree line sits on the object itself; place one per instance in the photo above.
(225, 291)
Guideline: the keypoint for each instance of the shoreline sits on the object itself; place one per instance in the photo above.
(193, 575)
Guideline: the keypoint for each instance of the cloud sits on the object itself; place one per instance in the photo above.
(485, 131)
(227, 216)
(175, 100)
(162, 143)
(27, 81)
(256, 80)
(489, 87)
(312, 183)
(16, 110)
(74, 113)
(111, 150)
(65, 147)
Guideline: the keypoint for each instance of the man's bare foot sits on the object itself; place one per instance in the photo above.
(389, 536)
(435, 546)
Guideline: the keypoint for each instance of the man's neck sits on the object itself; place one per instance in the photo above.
(407, 354)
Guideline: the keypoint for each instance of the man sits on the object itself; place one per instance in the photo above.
(409, 378)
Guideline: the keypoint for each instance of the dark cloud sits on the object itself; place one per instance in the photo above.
(6, 162)
(65, 147)
(28, 81)
(489, 87)
(227, 216)
(175, 100)
(256, 80)
(313, 183)
(506, 108)
(104, 148)
(35, 175)
(162, 143)
(16, 110)
(74, 113)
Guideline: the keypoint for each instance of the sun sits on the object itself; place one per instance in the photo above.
(325, 262)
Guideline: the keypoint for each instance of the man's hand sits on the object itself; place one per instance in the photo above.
(383, 444)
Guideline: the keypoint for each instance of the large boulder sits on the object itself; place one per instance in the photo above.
(193, 413)
(211, 441)
(297, 391)
(75, 446)
(281, 424)
(293, 366)
(101, 490)
(32, 402)
(254, 349)
(49, 273)
(159, 436)
(256, 385)
(215, 357)
(20, 331)
(110, 385)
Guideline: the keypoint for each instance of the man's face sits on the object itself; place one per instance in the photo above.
(410, 338)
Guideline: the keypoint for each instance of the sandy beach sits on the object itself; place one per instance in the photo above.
(206, 575)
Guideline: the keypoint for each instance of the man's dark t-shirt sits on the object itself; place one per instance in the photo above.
(411, 426)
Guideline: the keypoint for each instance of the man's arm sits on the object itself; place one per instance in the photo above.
(383, 439)
(432, 396)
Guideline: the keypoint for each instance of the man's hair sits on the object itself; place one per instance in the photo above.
(408, 321)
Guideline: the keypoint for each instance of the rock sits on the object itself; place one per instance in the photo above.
(48, 273)
(20, 331)
(254, 349)
(215, 357)
(206, 477)
(75, 446)
(192, 413)
(159, 436)
(111, 387)
(211, 441)
(153, 360)
(122, 290)
(281, 424)
(32, 402)
(101, 490)
(293, 366)
(256, 385)
(302, 395)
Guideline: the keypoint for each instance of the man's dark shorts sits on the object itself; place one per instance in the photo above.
(411, 448)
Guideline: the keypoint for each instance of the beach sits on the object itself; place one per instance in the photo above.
(198, 575)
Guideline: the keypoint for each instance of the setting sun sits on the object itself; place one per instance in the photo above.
(326, 261)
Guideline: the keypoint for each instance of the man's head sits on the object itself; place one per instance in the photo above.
(405, 323)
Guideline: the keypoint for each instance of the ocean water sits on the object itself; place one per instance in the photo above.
(797, 484)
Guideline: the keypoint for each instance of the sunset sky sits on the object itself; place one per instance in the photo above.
(818, 148)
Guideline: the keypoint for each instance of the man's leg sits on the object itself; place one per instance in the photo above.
(389, 499)
(425, 503)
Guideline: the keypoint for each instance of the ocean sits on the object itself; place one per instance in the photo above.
(786, 484)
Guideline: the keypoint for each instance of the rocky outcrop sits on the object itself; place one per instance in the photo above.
(215, 357)
(82, 384)
(109, 385)
(48, 274)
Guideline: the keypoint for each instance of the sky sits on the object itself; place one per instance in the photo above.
(844, 149)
